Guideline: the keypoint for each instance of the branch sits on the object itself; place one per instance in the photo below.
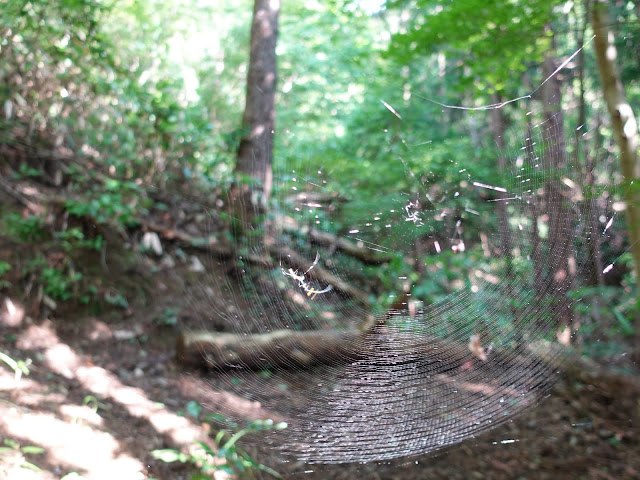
(297, 262)
(212, 244)
(365, 254)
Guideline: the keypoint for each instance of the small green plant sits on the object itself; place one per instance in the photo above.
(17, 452)
(74, 238)
(59, 283)
(116, 299)
(4, 268)
(238, 458)
(230, 457)
(93, 403)
(72, 476)
(60, 278)
(25, 171)
(28, 230)
(167, 318)
(116, 202)
(19, 367)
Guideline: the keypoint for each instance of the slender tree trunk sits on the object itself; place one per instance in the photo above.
(536, 208)
(256, 147)
(623, 123)
(506, 243)
(560, 260)
(593, 210)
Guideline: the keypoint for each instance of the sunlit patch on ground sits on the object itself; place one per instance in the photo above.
(78, 437)
(71, 446)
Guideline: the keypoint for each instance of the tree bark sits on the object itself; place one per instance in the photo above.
(560, 259)
(498, 129)
(256, 147)
(277, 349)
(590, 207)
(535, 210)
(623, 123)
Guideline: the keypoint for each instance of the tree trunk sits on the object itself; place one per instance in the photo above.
(623, 123)
(506, 243)
(560, 260)
(596, 277)
(256, 147)
(535, 208)
(591, 206)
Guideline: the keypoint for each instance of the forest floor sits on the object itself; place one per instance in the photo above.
(104, 391)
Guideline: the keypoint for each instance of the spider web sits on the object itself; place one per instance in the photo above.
(438, 368)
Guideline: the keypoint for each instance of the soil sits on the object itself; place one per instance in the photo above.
(104, 391)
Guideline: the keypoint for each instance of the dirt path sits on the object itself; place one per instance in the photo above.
(102, 393)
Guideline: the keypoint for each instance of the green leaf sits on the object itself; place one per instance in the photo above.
(4, 268)
(206, 448)
(11, 443)
(218, 417)
(223, 452)
(193, 409)
(625, 325)
(32, 449)
(232, 441)
(226, 468)
(30, 466)
(11, 363)
(268, 470)
(219, 436)
(169, 455)
(72, 476)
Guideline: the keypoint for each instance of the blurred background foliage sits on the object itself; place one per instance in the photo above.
(107, 103)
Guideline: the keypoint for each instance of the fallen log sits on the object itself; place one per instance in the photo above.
(583, 369)
(287, 349)
(280, 348)
(222, 249)
(291, 349)
(358, 250)
(316, 199)
(212, 244)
